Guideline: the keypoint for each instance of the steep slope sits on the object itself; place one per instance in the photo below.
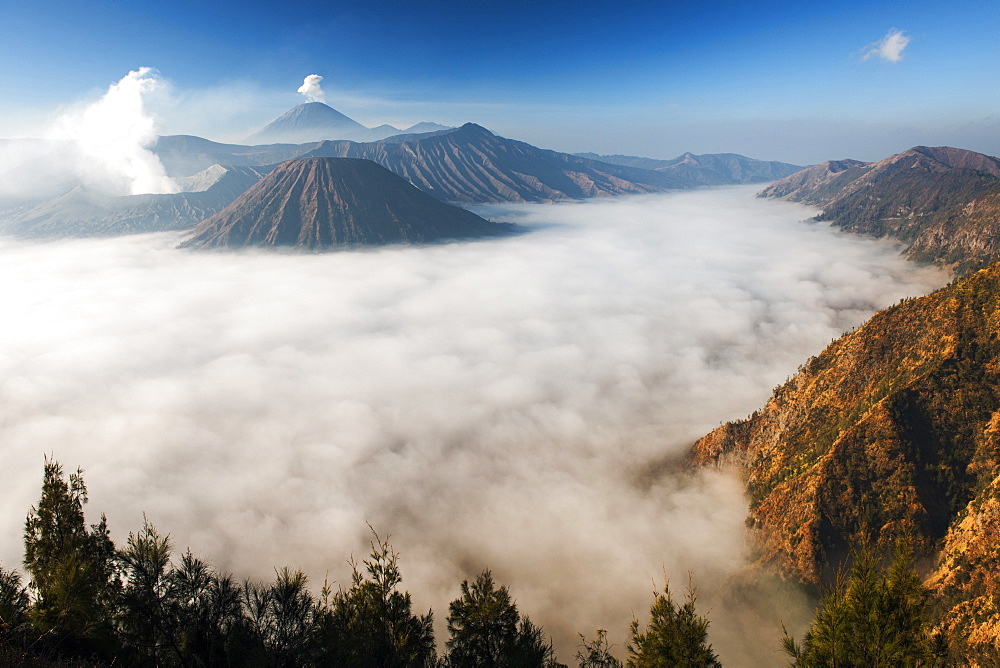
(467, 164)
(963, 236)
(892, 430)
(921, 197)
(318, 203)
(713, 169)
(83, 213)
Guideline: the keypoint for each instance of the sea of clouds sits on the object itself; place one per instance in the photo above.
(519, 404)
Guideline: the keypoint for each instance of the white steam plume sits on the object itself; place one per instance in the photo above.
(112, 137)
(311, 89)
(518, 404)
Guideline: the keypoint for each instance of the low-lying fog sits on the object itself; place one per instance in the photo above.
(512, 404)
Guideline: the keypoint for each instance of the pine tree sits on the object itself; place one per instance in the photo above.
(144, 621)
(72, 568)
(13, 601)
(676, 635)
(282, 620)
(372, 623)
(207, 615)
(873, 617)
(488, 632)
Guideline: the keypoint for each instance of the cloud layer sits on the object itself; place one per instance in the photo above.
(517, 404)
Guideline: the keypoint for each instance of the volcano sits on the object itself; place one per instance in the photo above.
(311, 121)
(319, 203)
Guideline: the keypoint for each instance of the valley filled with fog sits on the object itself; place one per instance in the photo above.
(520, 404)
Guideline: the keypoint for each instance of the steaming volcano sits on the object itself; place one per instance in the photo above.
(315, 121)
(325, 202)
(310, 121)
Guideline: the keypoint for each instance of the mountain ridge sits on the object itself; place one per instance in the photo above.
(707, 169)
(468, 164)
(940, 202)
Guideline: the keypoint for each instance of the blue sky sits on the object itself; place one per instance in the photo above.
(776, 80)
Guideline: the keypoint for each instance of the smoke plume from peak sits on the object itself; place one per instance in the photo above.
(112, 136)
(311, 89)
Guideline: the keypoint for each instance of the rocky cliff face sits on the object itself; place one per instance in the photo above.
(315, 203)
(890, 431)
(964, 236)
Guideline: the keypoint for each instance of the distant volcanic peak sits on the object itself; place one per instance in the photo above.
(316, 203)
(475, 129)
(309, 119)
(315, 112)
(316, 121)
(309, 122)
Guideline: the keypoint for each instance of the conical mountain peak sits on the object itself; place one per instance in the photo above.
(316, 203)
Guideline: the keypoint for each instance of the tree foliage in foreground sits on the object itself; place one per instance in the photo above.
(874, 616)
(88, 604)
(487, 631)
(676, 635)
(72, 567)
(596, 653)
(372, 623)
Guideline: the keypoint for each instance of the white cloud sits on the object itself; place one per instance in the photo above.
(888, 48)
